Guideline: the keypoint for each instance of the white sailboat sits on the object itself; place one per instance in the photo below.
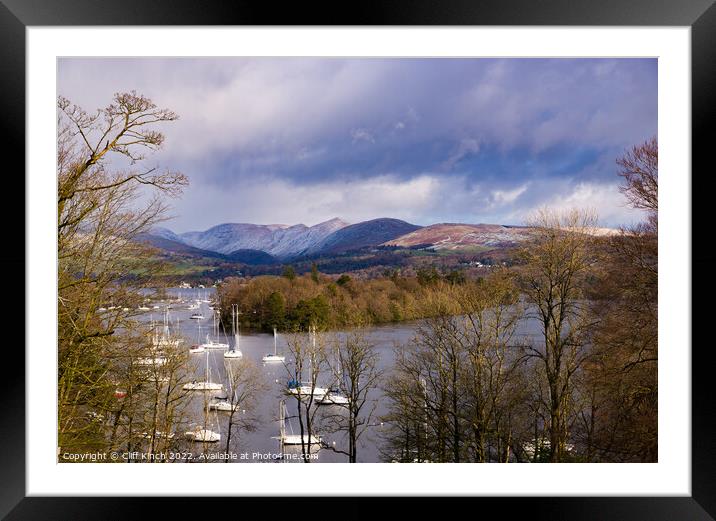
(202, 386)
(308, 388)
(295, 439)
(236, 352)
(305, 390)
(166, 340)
(197, 348)
(212, 343)
(207, 385)
(334, 398)
(152, 361)
(203, 435)
(223, 405)
(157, 434)
(273, 357)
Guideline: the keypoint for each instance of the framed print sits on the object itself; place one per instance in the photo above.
(420, 253)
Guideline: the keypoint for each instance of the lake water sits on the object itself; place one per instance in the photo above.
(263, 441)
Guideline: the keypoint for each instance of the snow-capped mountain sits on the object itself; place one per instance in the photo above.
(165, 233)
(279, 240)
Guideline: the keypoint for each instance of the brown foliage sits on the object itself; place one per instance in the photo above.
(98, 219)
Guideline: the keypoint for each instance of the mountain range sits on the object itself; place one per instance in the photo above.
(270, 243)
(278, 240)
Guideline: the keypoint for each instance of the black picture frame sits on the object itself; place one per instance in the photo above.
(700, 15)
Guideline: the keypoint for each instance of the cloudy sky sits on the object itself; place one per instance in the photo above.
(298, 140)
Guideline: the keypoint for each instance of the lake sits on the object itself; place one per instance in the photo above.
(262, 444)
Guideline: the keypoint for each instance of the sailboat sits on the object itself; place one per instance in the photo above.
(236, 352)
(156, 359)
(222, 403)
(207, 385)
(308, 388)
(212, 343)
(153, 361)
(197, 348)
(166, 340)
(294, 439)
(157, 434)
(273, 357)
(334, 398)
(202, 435)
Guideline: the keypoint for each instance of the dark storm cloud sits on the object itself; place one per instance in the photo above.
(459, 139)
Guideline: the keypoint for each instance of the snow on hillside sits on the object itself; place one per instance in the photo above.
(277, 240)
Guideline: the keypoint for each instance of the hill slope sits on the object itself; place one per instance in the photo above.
(252, 257)
(450, 236)
(171, 246)
(361, 235)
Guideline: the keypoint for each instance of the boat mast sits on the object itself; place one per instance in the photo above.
(206, 372)
(282, 424)
(155, 337)
(313, 354)
(274, 341)
(206, 399)
(235, 324)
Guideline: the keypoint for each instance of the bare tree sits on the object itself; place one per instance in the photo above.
(245, 386)
(639, 167)
(167, 374)
(309, 363)
(490, 318)
(354, 366)
(99, 218)
(555, 265)
(427, 379)
(148, 404)
(621, 382)
(454, 394)
(405, 433)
